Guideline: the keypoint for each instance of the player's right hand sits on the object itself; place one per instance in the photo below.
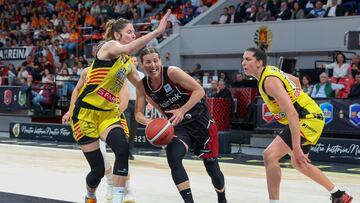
(66, 117)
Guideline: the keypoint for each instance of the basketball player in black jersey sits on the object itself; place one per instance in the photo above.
(179, 97)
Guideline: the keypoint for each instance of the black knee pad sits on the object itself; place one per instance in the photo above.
(175, 152)
(96, 162)
(213, 169)
(117, 142)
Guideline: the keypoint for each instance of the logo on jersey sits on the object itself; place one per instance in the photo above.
(167, 88)
(266, 113)
(354, 114)
(171, 100)
(328, 111)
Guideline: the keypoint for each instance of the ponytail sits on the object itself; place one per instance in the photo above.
(113, 26)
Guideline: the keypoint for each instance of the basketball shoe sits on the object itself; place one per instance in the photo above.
(90, 200)
(344, 198)
(129, 197)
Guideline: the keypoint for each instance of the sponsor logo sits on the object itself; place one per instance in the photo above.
(266, 113)
(328, 111)
(7, 97)
(16, 130)
(309, 128)
(354, 114)
(167, 88)
(279, 116)
(106, 95)
(170, 100)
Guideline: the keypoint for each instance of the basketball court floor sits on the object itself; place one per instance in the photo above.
(47, 174)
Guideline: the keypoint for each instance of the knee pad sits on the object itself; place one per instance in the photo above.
(213, 169)
(96, 162)
(117, 142)
(175, 152)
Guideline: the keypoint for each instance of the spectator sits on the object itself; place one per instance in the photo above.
(240, 12)
(72, 43)
(306, 84)
(251, 17)
(260, 15)
(213, 89)
(202, 8)
(318, 11)
(297, 12)
(196, 73)
(225, 16)
(223, 91)
(335, 10)
(355, 90)
(355, 65)
(340, 67)
(284, 13)
(35, 97)
(325, 89)
(224, 76)
(239, 80)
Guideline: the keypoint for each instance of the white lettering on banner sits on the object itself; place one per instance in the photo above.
(13, 53)
(351, 150)
(50, 131)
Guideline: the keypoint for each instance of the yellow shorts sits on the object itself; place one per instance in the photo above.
(311, 129)
(91, 123)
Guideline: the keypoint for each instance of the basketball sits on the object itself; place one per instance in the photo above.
(159, 132)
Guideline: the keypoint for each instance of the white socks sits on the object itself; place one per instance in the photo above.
(274, 201)
(109, 178)
(91, 195)
(335, 189)
(118, 194)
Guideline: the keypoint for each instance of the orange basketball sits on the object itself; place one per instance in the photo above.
(159, 132)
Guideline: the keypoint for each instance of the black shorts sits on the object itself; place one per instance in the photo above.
(286, 136)
(200, 134)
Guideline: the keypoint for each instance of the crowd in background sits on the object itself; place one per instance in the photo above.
(58, 31)
(270, 10)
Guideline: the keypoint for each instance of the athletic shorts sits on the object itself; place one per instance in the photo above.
(310, 128)
(88, 124)
(201, 135)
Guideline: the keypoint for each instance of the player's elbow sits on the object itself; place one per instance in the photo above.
(292, 114)
(201, 92)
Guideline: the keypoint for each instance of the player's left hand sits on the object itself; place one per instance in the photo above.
(177, 116)
(300, 158)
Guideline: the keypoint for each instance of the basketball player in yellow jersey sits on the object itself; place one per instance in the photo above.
(96, 114)
(124, 95)
(304, 119)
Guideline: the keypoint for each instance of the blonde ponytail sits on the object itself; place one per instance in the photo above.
(113, 26)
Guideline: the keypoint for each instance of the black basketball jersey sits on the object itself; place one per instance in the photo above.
(172, 96)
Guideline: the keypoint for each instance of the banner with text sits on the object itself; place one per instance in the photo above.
(15, 53)
(41, 131)
(336, 150)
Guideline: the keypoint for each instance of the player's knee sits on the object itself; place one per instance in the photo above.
(267, 157)
(213, 169)
(97, 172)
(175, 152)
(117, 142)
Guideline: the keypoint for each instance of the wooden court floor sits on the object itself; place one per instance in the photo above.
(60, 174)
